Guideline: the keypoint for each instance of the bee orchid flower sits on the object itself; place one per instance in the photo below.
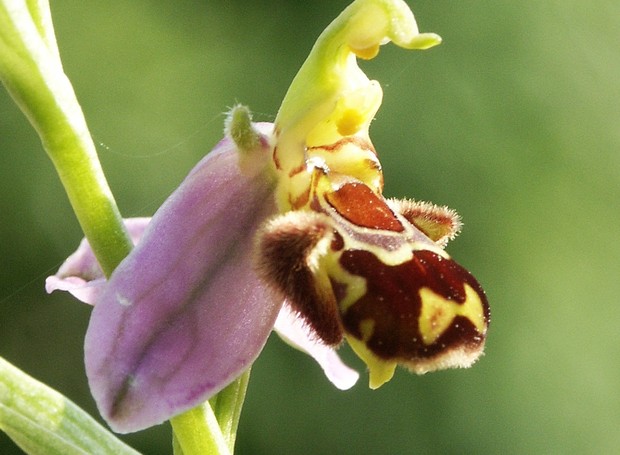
(191, 286)
(284, 225)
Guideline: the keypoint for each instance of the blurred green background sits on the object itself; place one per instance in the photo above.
(514, 121)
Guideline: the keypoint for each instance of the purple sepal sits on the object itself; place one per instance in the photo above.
(81, 275)
(184, 314)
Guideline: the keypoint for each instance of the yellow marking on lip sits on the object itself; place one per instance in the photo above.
(367, 328)
(379, 371)
(356, 286)
(437, 313)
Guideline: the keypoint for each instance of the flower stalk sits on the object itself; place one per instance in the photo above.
(197, 432)
(227, 407)
(32, 72)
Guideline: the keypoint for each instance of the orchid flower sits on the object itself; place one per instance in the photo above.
(285, 219)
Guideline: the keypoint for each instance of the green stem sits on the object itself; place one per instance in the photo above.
(211, 428)
(176, 446)
(31, 70)
(227, 406)
(197, 432)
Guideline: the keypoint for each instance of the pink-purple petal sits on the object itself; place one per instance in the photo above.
(84, 291)
(81, 274)
(294, 331)
(184, 313)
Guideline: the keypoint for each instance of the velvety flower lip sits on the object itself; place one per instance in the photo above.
(355, 266)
